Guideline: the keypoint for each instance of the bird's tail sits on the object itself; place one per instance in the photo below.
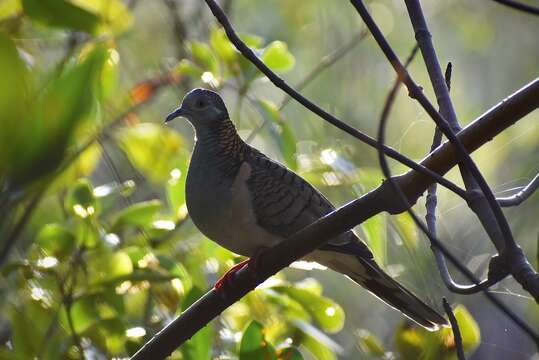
(370, 276)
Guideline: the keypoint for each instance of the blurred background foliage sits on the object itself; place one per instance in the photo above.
(97, 249)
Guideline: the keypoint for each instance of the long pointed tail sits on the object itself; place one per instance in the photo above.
(368, 274)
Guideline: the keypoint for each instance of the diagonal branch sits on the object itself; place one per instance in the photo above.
(513, 257)
(413, 184)
(519, 6)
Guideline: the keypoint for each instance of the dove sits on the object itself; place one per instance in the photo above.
(247, 202)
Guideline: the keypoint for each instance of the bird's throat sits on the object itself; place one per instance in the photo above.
(220, 144)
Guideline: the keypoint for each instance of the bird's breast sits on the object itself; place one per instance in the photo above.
(222, 210)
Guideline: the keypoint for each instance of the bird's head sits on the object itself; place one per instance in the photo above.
(201, 107)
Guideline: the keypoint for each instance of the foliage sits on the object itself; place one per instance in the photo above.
(108, 255)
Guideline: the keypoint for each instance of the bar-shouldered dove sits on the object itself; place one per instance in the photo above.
(245, 201)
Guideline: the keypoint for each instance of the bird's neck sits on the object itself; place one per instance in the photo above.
(221, 143)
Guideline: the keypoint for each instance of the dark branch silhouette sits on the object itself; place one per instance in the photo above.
(522, 195)
(456, 330)
(519, 6)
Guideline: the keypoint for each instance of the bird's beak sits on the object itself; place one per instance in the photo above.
(176, 113)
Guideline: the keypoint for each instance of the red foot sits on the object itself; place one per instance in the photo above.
(227, 277)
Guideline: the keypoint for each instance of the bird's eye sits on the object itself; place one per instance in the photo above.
(200, 104)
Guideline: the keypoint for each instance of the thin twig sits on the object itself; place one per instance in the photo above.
(326, 62)
(433, 239)
(522, 195)
(456, 330)
(210, 305)
(280, 83)
(430, 218)
(513, 256)
(180, 30)
(519, 6)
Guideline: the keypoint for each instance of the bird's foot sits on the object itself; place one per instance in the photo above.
(253, 263)
(226, 279)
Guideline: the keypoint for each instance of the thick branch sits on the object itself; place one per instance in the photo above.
(305, 241)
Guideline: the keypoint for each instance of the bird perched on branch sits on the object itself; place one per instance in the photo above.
(245, 201)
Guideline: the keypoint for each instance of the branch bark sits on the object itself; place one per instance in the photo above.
(412, 183)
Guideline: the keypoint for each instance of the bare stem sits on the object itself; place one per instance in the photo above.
(456, 330)
(522, 195)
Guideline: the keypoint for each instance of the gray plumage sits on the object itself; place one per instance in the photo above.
(245, 201)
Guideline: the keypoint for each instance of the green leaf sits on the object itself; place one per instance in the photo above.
(139, 214)
(469, 330)
(280, 131)
(61, 14)
(187, 67)
(327, 314)
(289, 353)
(409, 342)
(376, 236)
(84, 313)
(277, 57)
(204, 57)
(370, 344)
(253, 41)
(316, 342)
(176, 269)
(115, 17)
(222, 46)
(254, 346)
(9, 8)
(176, 191)
(200, 345)
(109, 335)
(105, 266)
(153, 149)
(28, 323)
(80, 199)
(14, 101)
(406, 229)
(34, 144)
(82, 166)
(56, 240)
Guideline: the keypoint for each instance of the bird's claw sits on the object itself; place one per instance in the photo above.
(253, 263)
(226, 279)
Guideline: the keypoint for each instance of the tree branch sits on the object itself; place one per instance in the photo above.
(433, 239)
(513, 257)
(413, 184)
(522, 195)
(519, 6)
(456, 330)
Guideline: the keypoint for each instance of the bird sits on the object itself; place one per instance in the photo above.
(245, 201)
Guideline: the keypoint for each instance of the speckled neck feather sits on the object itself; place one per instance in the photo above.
(223, 145)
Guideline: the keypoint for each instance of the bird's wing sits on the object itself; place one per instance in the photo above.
(284, 203)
